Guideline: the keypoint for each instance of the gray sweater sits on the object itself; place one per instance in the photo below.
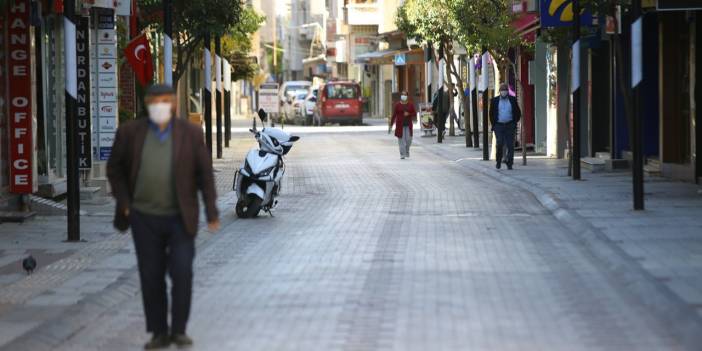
(154, 191)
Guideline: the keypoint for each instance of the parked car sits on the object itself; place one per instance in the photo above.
(307, 108)
(290, 87)
(292, 107)
(339, 102)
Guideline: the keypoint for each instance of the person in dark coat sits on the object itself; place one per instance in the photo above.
(403, 116)
(504, 116)
(441, 108)
(157, 167)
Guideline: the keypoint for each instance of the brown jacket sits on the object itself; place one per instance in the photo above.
(192, 168)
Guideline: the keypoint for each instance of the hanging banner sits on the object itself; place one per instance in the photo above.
(636, 53)
(83, 98)
(559, 13)
(485, 68)
(575, 68)
(106, 90)
(19, 98)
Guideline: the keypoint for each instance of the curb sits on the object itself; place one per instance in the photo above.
(677, 315)
(51, 333)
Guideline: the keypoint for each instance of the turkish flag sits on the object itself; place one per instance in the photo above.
(138, 54)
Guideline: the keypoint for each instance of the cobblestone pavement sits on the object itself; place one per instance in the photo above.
(370, 252)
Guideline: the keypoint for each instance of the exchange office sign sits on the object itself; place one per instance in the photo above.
(19, 98)
(83, 98)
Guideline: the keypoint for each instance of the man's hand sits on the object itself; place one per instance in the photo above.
(126, 212)
(406, 114)
(213, 226)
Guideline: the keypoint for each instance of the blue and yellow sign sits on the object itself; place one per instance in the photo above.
(559, 13)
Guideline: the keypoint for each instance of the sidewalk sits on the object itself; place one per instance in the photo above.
(659, 248)
(84, 277)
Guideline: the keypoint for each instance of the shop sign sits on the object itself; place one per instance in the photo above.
(83, 97)
(559, 13)
(19, 98)
(107, 81)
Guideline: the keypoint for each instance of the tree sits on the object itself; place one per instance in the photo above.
(236, 44)
(432, 21)
(191, 20)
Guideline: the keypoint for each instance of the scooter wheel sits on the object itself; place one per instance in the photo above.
(249, 208)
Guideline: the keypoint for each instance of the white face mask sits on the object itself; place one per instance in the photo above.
(403, 97)
(503, 94)
(160, 113)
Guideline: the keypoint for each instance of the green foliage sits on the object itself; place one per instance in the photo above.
(191, 21)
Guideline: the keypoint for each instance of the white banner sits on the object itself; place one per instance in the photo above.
(636, 53)
(208, 66)
(227, 76)
(471, 71)
(484, 72)
(575, 68)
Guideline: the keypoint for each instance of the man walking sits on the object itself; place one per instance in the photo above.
(158, 165)
(504, 116)
(440, 107)
(403, 116)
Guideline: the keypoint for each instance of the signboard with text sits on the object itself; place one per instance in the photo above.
(19, 98)
(268, 97)
(559, 13)
(106, 92)
(83, 98)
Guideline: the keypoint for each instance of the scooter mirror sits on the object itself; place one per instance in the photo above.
(262, 115)
(294, 138)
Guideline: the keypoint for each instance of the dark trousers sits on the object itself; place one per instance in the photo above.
(162, 245)
(504, 132)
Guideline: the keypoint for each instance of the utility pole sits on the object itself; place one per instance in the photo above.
(636, 79)
(72, 174)
(207, 94)
(474, 102)
(575, 90)
(484, 78)
(167, 42)
(218, 96)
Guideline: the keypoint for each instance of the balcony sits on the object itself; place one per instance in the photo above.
(362, 13)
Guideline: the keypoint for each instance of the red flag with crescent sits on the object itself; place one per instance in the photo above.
(138, 54)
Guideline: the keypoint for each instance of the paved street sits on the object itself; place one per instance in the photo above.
(370, 252)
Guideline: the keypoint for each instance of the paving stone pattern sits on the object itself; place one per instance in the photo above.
(370, 252)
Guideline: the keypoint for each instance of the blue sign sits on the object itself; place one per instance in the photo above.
(400, 60)
(105, 153)
(559, 13)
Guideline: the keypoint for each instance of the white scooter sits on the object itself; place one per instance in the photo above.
(257, 183)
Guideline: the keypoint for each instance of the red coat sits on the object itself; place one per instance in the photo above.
(398, 117)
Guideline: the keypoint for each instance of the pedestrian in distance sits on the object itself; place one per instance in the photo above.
(403, 117)
(504, 116)
(440, 107)
(157, 167)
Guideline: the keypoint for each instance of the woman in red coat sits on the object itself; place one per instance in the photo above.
(403, 116)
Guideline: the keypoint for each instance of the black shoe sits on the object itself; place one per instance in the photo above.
(182, 340)
(509, 166)
(498, 165)
(158, 341)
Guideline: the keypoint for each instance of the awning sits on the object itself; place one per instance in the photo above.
(526, 26)
(376, 57)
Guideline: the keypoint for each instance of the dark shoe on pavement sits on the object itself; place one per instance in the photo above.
(182, 340)
(509, 166)
(498, 165)
(158, 341)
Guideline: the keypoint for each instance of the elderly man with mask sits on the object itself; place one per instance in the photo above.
(504, 116)
(157, 167)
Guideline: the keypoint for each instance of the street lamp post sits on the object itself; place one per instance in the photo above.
(484, 78)
(575, 88)
(167, 42)
(72, 173)
(218, 96)
(636, 79)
